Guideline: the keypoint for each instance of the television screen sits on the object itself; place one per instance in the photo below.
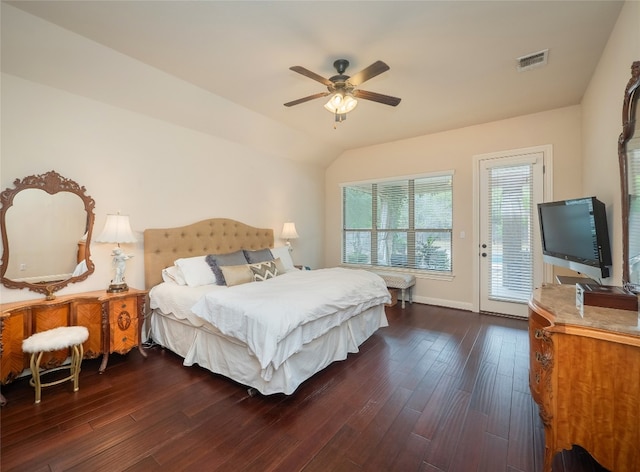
(575, 234)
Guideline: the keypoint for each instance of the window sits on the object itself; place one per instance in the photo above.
(399, 223)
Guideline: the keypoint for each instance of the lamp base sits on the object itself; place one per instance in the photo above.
(117, 288)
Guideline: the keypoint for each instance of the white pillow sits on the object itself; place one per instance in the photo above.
(174, 275)
(283, 253)
(196, 271)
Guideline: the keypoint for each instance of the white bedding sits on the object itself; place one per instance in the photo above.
(210, 349)
(178, 299)
(275, 318)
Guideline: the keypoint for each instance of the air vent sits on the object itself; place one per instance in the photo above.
(531, 61)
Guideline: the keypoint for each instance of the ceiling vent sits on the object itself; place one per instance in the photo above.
(531, 61)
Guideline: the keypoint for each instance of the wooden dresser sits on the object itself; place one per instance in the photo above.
(114, 321)
(585, 377)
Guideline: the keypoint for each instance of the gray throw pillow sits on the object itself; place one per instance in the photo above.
(261, 255)
(216, 261)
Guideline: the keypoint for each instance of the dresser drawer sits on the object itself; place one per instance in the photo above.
(123, 324)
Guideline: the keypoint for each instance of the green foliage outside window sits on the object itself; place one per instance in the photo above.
(405, 223)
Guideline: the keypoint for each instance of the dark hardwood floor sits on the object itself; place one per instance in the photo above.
(438, 390)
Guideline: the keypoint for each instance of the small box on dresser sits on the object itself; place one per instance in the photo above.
(606, 296)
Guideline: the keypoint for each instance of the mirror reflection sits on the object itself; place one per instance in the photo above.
(629, 158)
(43, 232)
(46, 223)
(633, 161)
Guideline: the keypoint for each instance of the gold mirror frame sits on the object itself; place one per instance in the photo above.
(52, 183)
(629, 108)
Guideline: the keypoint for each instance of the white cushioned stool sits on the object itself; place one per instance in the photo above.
(399, 280)
(53, 340)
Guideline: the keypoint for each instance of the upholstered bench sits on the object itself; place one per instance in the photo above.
(53, 340)
(400, 281)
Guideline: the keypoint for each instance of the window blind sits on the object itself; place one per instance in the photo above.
(510, 233)
(399, 223)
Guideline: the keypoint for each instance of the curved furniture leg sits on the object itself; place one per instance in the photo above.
(103, 365)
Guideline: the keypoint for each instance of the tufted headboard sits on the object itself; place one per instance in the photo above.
(214, 236)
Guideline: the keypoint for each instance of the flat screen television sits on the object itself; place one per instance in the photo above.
(575, 235)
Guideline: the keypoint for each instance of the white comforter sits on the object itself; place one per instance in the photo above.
(275, 318)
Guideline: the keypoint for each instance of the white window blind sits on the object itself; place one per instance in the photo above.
(511, 216)
(399, 223)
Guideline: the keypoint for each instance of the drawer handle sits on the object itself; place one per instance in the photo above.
(538, 333)
(537, 377)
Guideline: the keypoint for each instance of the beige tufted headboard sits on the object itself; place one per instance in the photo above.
(214, 236)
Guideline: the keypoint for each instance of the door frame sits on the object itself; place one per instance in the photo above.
(547, 195)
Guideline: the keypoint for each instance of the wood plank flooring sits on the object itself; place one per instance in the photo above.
(438, 390)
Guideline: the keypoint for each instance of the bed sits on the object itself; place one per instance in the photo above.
(270, 333)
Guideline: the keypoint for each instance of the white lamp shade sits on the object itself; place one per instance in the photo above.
(289, 231)
(341, 103)
(116, 230)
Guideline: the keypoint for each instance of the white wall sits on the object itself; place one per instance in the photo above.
(584, 140)
(454, 150)
(131, 158)
(602, 122)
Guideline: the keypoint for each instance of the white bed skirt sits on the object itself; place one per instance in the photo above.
(207, 347)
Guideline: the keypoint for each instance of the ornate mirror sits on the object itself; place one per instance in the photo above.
(46, 225)
(629, 158)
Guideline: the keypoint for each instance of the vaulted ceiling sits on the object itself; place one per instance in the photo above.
(453, 63)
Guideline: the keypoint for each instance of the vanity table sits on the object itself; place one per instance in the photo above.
(114, 321)
(585, 377)
(42, 255)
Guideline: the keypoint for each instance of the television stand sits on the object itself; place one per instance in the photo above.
(567, 279)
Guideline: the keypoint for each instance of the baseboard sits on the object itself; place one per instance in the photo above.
(443, 302)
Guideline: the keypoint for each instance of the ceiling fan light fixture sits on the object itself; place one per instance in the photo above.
(341, 103)
(342, 88)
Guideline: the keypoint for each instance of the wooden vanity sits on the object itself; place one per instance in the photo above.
(585, 377)
(114, 321)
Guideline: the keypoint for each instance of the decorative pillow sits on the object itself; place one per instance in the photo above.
(173, 275)
(280, 266)
(283, 253)
(195, 271)
(262, 255)
(237, 274)
(264, 270)
(216, 261)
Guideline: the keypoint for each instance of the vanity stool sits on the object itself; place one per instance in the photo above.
(53, 340)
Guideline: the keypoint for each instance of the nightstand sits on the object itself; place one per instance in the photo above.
(122, 320)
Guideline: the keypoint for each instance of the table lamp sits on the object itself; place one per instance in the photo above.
(117, 230)
(289, 232)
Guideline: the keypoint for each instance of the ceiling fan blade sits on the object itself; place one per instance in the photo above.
(377, 97)
(306, 99)
(311, 75)
(367, 73)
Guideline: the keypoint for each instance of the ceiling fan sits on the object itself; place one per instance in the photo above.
(343, 89)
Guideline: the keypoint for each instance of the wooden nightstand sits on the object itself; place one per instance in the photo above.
(122, 320)
(114, 321)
